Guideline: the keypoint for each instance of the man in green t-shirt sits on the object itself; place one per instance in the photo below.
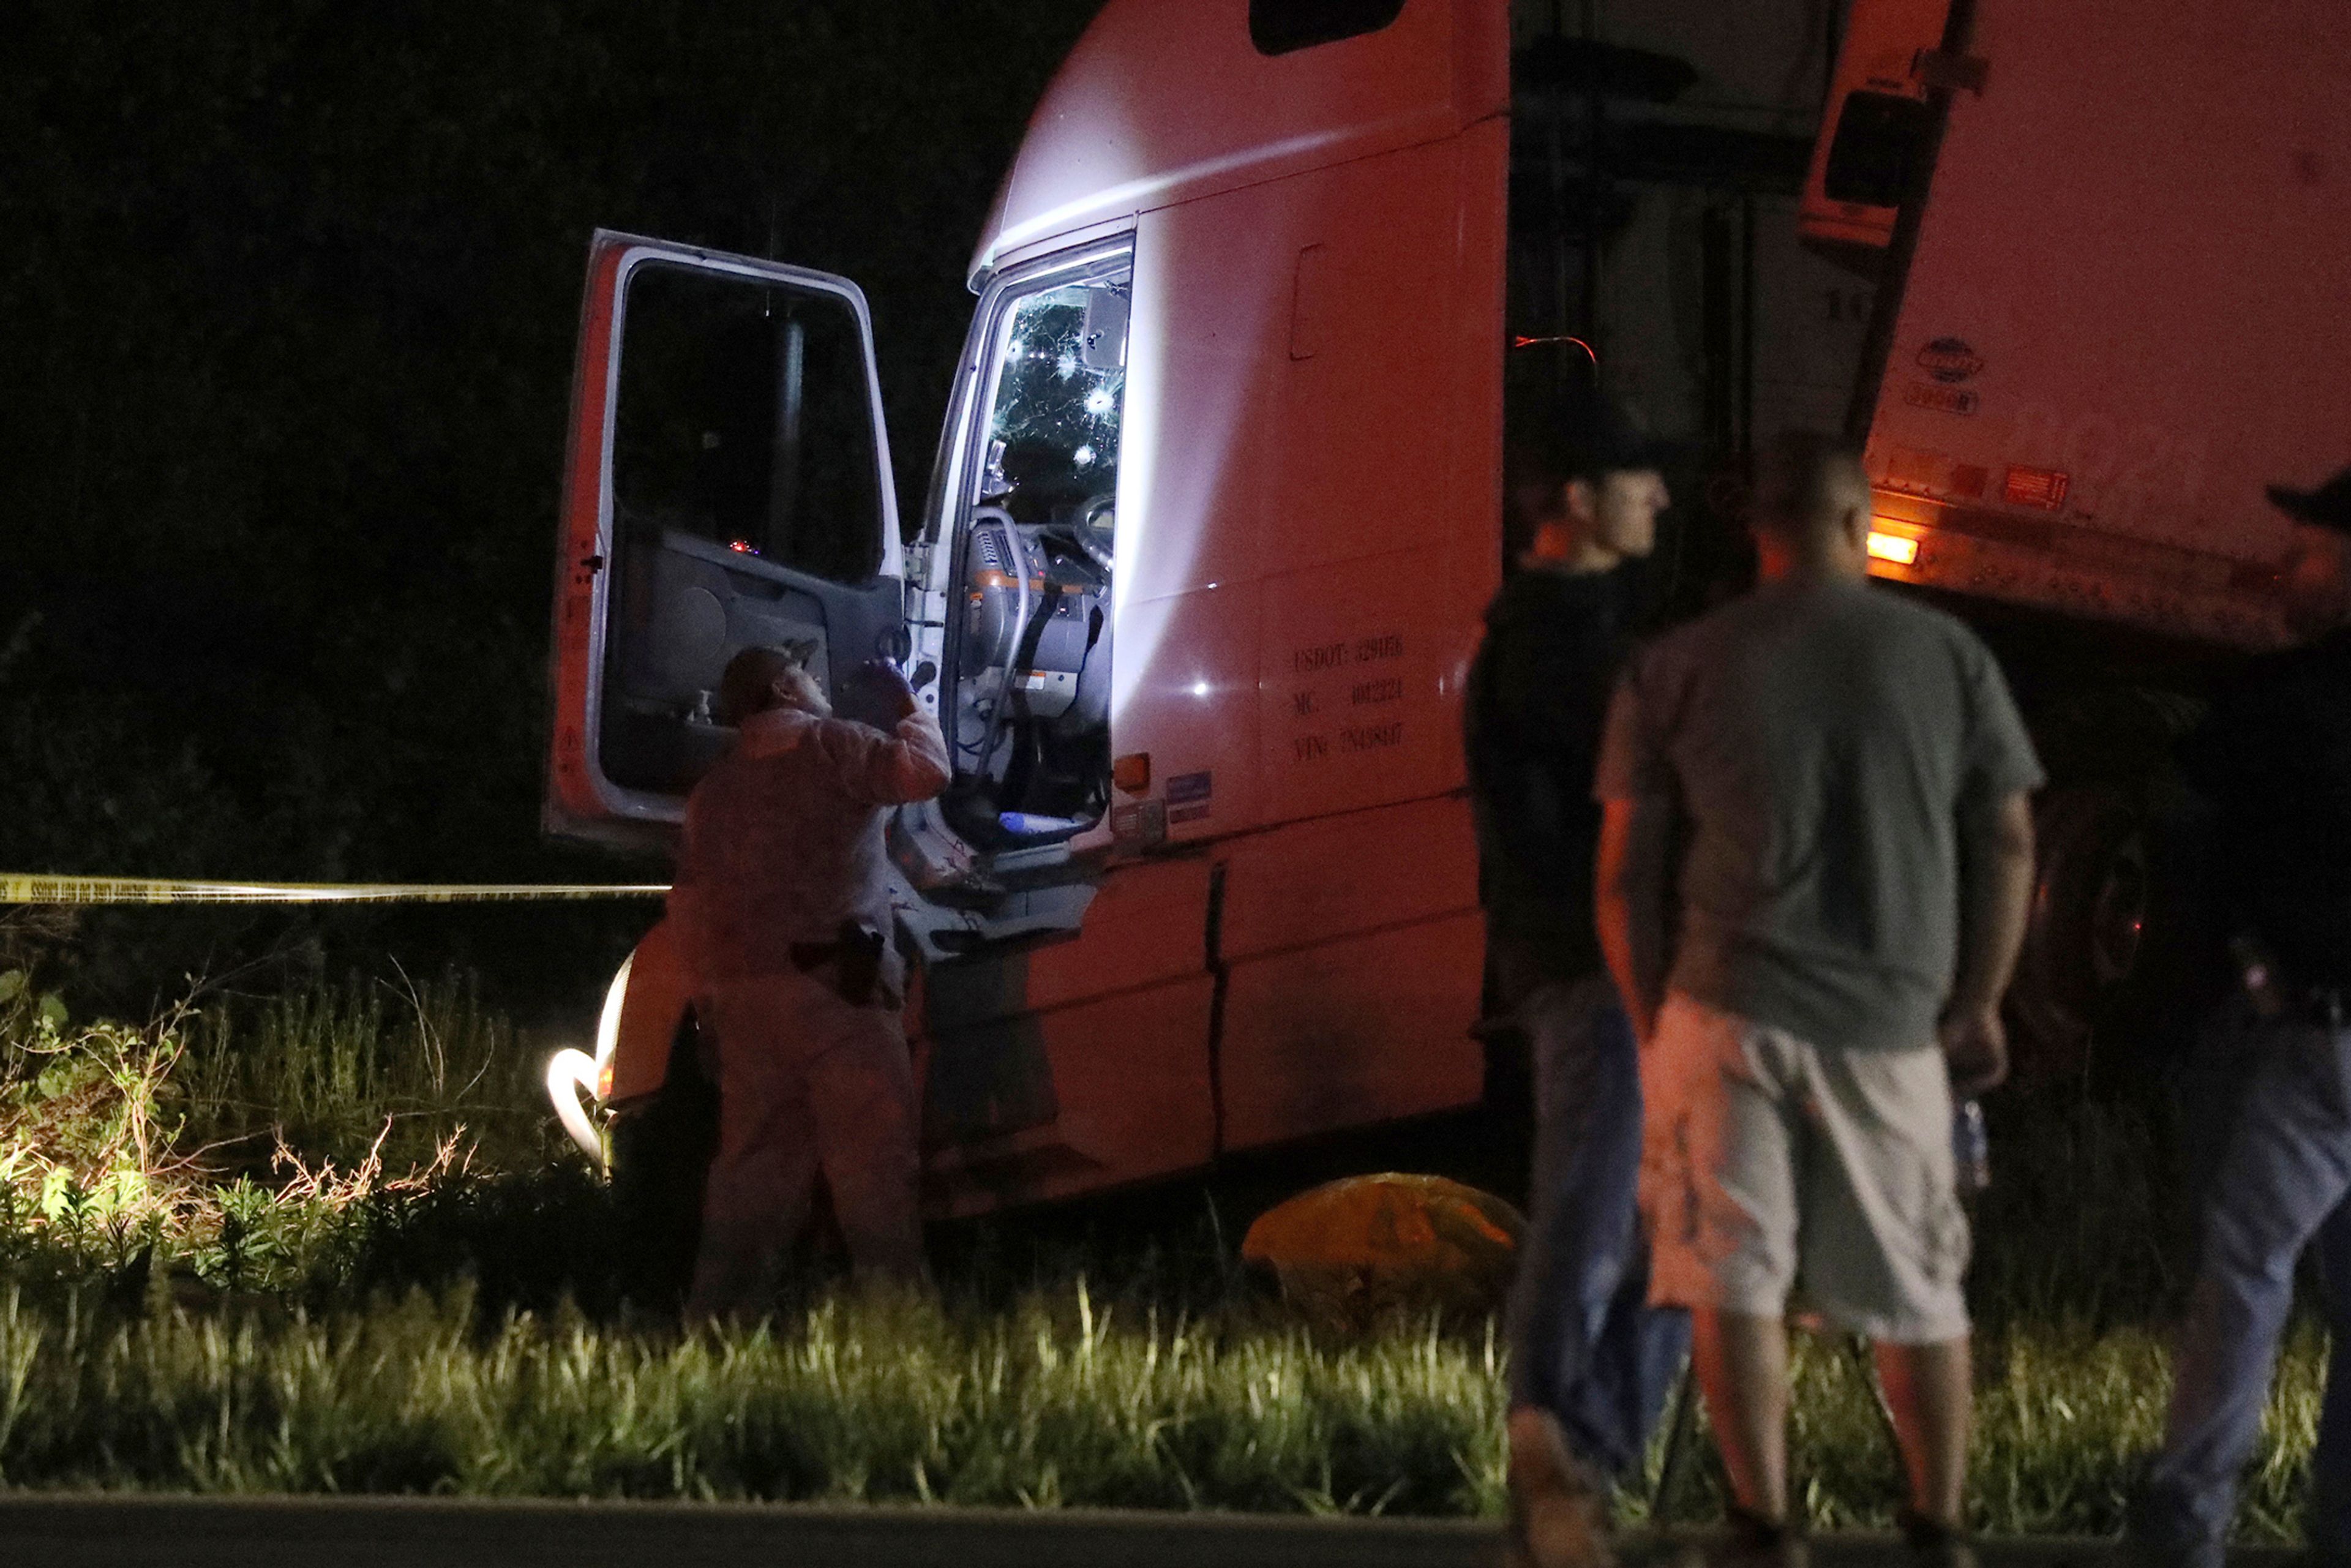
(1848, 781)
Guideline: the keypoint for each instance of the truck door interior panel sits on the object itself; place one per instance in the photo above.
(745, 507)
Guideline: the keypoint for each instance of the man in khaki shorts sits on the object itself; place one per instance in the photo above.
(1846, 780)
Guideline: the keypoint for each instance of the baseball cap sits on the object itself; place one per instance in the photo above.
(1604, 435)
(1578, 433)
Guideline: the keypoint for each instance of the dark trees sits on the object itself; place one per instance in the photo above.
(286, 303)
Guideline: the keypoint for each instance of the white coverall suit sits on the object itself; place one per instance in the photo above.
(783, 844)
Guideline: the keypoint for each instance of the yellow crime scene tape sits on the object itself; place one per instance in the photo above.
(19, 888)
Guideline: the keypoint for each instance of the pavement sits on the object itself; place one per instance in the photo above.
(49, 1530)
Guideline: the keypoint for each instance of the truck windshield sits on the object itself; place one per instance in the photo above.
(1031, 718)
(1052, 431)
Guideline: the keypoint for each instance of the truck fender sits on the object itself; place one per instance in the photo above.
(654, 998)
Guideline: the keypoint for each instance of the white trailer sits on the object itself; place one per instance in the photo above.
(2115, 317)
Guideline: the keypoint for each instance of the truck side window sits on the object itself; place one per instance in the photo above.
(1030, 724)
(1878, 136)
(1052, 433)
(1278, 26)
(744, 418)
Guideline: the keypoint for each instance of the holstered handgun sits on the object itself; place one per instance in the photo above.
(855, 955)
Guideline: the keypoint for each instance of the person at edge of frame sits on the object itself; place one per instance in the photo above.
(1854, 786)
(1590, 1362)
(2272, 762)
(783, 915)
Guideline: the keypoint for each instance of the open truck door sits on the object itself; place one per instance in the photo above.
(727, 484)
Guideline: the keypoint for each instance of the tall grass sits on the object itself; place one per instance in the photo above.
(337, 1074)
(260, 1144)
(2087, 1221)
(1053, 1403)
(331, 1242)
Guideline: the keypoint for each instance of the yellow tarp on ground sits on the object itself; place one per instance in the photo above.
(1351, 1253)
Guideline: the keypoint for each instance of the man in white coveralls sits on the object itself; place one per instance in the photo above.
(782, 912)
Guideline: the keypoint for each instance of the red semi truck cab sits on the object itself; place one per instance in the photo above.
(1214, 513)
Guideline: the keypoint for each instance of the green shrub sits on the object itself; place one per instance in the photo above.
(271, 1144)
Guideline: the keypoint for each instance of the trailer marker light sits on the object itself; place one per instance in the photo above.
(2044, 488)
(1131, 772)
(1897, 548)
(742, 546)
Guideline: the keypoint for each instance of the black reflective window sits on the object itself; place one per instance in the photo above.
(745, 418)
(1877, 135)
(1278, 26)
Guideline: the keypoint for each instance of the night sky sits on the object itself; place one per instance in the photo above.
(288, 295)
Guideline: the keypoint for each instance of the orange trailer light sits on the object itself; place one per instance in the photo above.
(1899, 549)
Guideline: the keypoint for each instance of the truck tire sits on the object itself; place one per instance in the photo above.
(662, 1147)
(2092, 894)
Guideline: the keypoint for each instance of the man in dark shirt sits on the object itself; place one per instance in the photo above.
(2273, 759)
(1590, 1360)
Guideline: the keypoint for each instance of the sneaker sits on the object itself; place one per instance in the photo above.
(1750, 1541)
(2159, 1530)
(1558, 1515)
(1933, 1543)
